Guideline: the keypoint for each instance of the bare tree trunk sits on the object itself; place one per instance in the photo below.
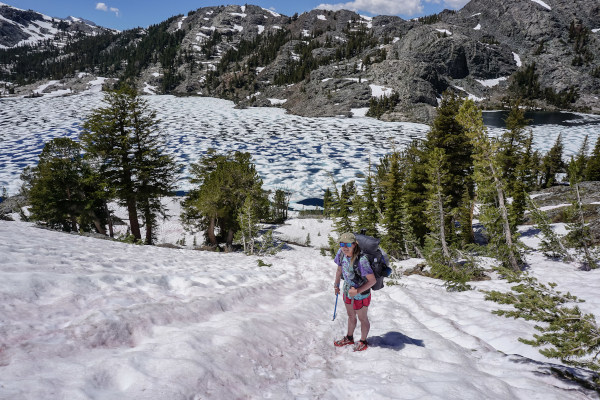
(586, 250)
(445, 250)
(229, 240)
(99, 226)
(210, 232)
(149, 227)
(505, 223)
(111, 232)
(133, 219)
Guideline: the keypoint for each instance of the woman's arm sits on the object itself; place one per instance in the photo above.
(338, 277)
(366, 286)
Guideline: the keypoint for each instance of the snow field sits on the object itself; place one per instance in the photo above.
(85, 318)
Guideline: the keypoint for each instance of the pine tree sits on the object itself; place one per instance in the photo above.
(328, 204)
(579, 235)
(577, 165)
(224, 182)
(490, 188)
(552, 163)
(281, 203)
(565, 332)
(342, 219)
(437, 202)
(124, 141)
(366, 208)
(415, 190)
(447, 134)
(393, 239)
(61, 189)
(512, 145)
(592, 169)
(528, 168)
(551, 244)
(248, 225)
(465, 218)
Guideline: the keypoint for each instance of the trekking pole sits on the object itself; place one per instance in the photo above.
(335, 308)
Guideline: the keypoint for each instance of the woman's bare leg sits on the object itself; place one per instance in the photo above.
(351, 319)
(365, 325)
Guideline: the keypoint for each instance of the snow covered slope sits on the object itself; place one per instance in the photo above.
(20, 27)
(83, 318)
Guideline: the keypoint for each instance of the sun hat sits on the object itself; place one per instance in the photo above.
(347, 237)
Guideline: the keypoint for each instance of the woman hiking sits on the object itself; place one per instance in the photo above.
(358, 279)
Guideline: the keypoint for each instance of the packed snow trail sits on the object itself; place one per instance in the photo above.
(83, 318)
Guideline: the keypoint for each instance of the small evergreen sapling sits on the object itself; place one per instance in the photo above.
(579, 235)
(490, 186)
(565, 332)
(551, 244)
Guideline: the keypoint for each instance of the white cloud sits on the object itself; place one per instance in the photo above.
(390, 7)
(104, 7)
(455, 4)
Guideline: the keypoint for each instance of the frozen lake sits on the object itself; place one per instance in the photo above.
(291, 152)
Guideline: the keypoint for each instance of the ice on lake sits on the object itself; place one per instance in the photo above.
(291, 152)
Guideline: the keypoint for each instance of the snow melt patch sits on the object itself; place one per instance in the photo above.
(541, 3)
(446, 31)
(356, 79)
(277, 101)
(477, 28)
(492, 82)
(261, 28)
(517, 59)
(181, 22)
(470, 96)
(596, 30)
(273, 13)
(238, 28)
(322, 17)
(149, 89)
(359, 112)
(380, 91)
(367, 20)
(95, 86)
(242, 15)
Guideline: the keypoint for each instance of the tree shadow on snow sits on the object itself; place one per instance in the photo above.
(587, 380)
(394, 340)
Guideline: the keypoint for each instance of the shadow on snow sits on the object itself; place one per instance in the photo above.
(394, 340)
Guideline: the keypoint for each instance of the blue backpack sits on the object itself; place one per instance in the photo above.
(369, 246)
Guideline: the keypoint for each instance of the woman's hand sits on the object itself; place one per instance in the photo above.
(337, 290)
(352, 292)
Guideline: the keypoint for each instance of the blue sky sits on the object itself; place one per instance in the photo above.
(125, 14)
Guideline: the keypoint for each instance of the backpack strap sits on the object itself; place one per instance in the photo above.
(358, 278)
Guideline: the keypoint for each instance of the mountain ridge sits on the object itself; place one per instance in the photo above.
(326, 63)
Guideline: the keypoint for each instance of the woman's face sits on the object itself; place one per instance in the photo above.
(348, 250)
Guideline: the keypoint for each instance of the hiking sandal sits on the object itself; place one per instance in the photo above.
(361, 345)
(345, 341)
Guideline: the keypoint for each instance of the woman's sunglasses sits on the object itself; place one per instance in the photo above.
(345, 244)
